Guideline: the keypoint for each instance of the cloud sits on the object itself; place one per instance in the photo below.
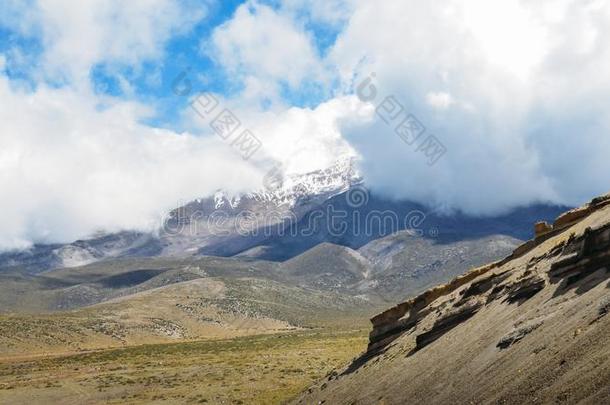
(77, 35)
(300, 139)
(72, 164)
(440, 100)
(262, 46)
(516, 92)
(303, 140)
(332, 12)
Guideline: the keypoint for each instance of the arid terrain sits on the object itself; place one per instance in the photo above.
(528, 327)
(207, 340)
(204, 329)
(210, 330)
(261, 369)
(532, 328)
(305, 202)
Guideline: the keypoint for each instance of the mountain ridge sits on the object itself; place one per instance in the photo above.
(291, 215)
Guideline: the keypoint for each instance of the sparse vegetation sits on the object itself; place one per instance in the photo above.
(250, 370)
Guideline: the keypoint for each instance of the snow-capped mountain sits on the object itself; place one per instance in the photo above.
(228, 224)
(210, 225)
(292, 189)
(289, 216)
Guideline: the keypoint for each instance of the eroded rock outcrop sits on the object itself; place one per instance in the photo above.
(571, 217)
(391, 323)
(582, 256)
(542, 228)
(447, 322)
(574, 258)
(518, 334)
(525, 288)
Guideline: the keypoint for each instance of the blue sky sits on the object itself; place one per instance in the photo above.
(92, 135)
(150, 81)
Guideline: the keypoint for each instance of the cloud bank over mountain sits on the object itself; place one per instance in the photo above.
(516, 92)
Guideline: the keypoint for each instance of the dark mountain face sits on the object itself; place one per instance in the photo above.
(292, 216)
(263, 229)
(338, 220)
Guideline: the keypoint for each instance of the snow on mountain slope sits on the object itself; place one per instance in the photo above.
(291, 215)
(221, 225)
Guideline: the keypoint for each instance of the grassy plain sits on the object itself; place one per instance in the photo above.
(264, 369)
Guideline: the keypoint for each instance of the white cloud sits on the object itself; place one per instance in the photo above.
(439, 99)
(517, 92)
(304, 140)
(523, 117)
(69, 167)
(259, 42)
(76, 35)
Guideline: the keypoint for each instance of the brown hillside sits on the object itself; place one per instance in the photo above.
(530, 328)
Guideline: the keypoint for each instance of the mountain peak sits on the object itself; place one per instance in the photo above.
(289, 189)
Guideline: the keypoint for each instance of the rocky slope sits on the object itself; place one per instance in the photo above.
(533, 327)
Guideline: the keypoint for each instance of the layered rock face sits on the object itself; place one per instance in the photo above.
(578, 255)
(512, 326)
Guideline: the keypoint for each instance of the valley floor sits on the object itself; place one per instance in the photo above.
(265, 369)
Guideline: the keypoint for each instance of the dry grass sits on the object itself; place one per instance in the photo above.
(250, 370)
